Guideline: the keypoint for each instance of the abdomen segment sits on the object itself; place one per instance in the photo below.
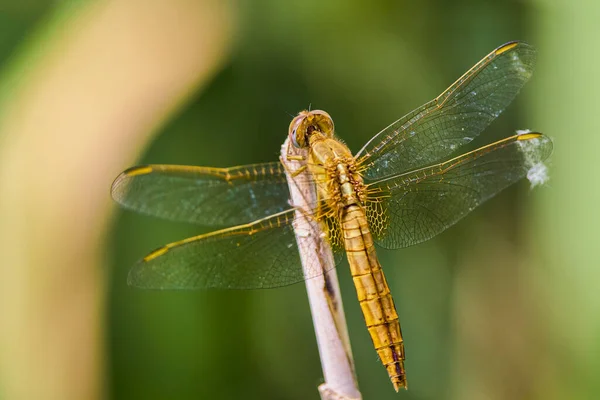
(374, 294)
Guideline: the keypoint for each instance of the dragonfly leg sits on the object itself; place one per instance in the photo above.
(297, 172)
(292, 157)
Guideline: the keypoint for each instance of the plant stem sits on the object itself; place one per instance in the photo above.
(323, 291)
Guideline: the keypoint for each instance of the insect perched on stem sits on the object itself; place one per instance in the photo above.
(400, 189)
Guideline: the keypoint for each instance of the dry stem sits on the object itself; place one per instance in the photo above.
(323, 291)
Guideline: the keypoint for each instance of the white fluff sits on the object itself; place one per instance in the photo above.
(537, 173)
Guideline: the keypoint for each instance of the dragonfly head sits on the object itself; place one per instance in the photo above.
(307, 123)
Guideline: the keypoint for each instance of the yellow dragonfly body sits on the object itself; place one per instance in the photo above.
(343, 195)
(397, 191)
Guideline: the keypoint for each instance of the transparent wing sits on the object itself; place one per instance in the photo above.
(413, 207)
(202, 195)
(263, 254)
(454, 118)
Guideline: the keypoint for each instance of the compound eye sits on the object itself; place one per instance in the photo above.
(294, 139)
(295, 131)
(325, 122)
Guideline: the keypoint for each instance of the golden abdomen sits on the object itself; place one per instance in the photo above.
(374, 294)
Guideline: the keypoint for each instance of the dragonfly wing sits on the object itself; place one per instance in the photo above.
(454, 118)
(263, 254)
(413, 207)
(202, 195)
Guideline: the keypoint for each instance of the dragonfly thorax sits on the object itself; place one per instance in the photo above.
(336, 173)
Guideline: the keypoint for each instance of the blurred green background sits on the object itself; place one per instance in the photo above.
(505, 305)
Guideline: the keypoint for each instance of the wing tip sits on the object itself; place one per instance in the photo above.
(123, 176)
(506, 47)
(137, 170)
(536, 148)
(156, 253)
(144, 276)
(528, 135)
(546, 141)
(512, 45)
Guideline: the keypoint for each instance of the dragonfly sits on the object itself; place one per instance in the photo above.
(403, 187)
